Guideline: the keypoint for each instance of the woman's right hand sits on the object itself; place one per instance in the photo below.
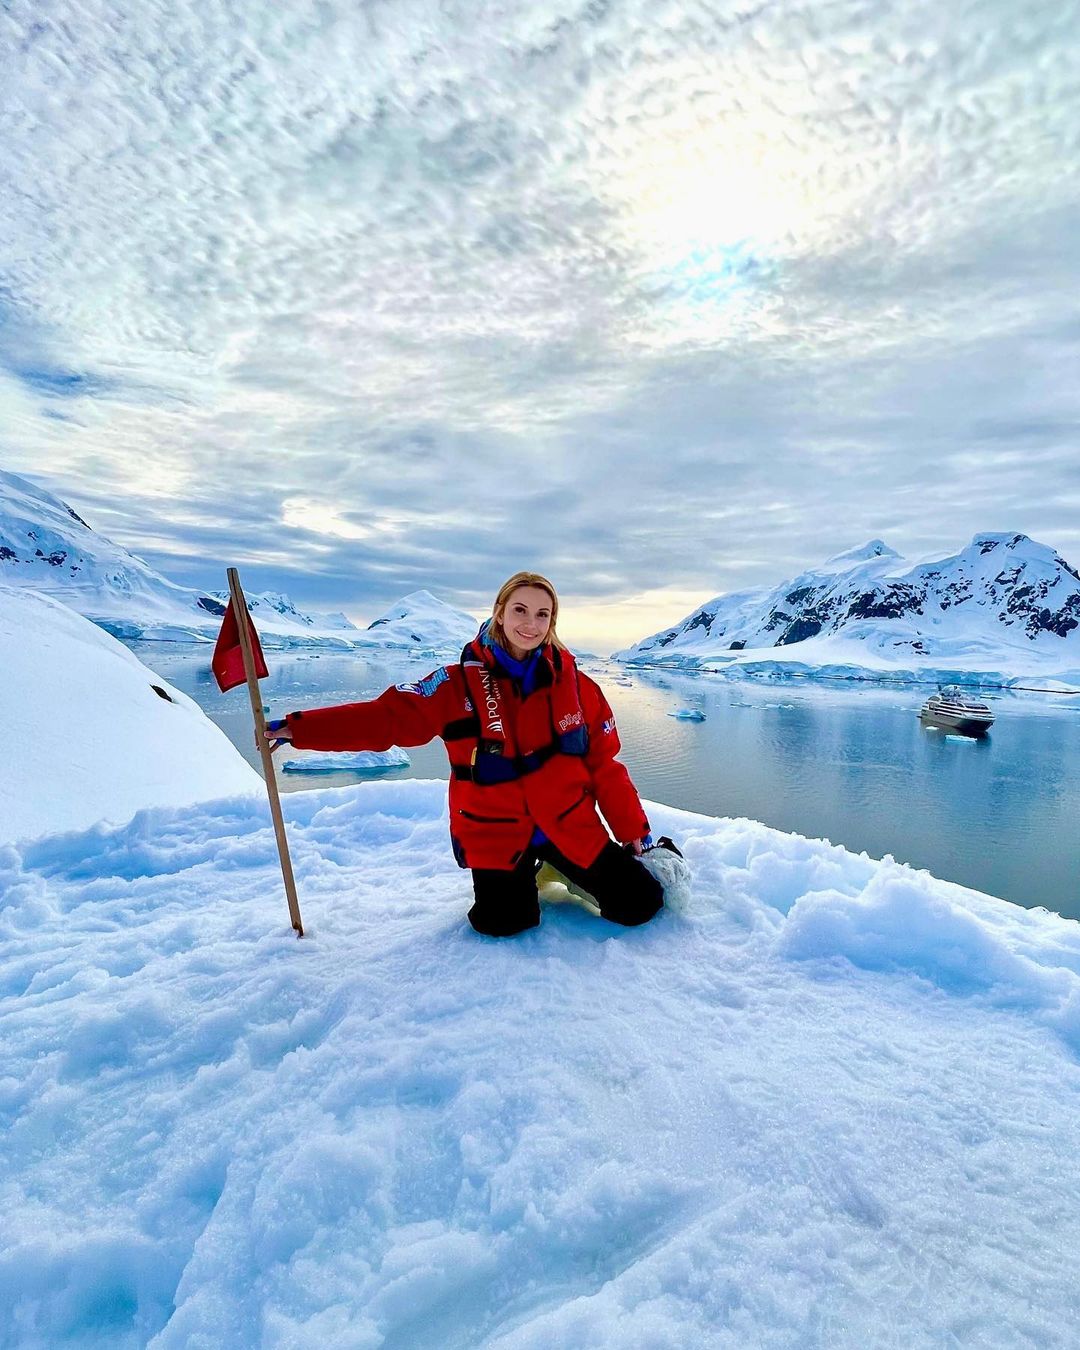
(278, 734)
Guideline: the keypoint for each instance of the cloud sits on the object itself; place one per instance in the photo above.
(665, 299)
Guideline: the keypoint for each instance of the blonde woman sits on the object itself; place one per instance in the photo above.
(532, 746)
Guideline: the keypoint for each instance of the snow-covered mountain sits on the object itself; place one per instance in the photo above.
(420, 619)
(47, 548)
(1003, 608)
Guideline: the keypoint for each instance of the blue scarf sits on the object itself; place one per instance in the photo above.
(525, 671)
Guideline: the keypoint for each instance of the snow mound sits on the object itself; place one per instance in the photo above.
(824, 1105)
(96, 735)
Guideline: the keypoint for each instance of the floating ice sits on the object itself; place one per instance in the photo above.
(350, 761)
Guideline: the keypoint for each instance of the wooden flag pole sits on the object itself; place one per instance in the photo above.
(240, 609)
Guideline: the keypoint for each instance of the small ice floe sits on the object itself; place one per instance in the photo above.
(373, 762)
(689, 715)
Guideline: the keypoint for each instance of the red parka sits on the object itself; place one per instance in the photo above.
(517, 762)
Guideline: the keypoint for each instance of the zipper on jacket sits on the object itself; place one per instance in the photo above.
(489, 820)
(573, 807)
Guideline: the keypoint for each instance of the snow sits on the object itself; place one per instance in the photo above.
(1004, 611)
(830, 1101)
(426, 624)
(89, 739)
(821, 1100)
(46, 548)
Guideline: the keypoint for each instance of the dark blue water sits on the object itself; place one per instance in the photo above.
(839, 761)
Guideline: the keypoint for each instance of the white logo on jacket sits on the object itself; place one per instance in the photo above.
(491, 701)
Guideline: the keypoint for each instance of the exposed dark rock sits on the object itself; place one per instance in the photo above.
(956, 595)
(73, 516)
(6, 554)
(988, 545)
(702, 620)
(892, 603)
(799, 631)
(737, 646)
(211, 606)
(162, 693)
(1065, 567)
(1060, 622)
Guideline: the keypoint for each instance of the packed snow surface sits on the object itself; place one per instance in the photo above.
(93, 734)
(827, 1102)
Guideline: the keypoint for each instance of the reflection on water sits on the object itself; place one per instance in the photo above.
(846, 762)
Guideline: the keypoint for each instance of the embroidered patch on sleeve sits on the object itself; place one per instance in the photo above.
(427, 686)
(608, 727)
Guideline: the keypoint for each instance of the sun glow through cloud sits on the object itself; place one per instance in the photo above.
(407, 286)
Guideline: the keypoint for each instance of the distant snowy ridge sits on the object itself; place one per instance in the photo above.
(1004, 609)
(47, 548)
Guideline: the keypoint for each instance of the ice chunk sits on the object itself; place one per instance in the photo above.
(349, 761)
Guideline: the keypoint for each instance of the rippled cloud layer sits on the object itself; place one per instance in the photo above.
(662, 298)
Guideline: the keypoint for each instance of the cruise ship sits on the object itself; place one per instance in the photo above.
(951, 710)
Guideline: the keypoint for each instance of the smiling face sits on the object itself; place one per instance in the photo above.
(525, 619)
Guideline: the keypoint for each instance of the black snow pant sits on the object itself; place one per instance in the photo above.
(507, 902)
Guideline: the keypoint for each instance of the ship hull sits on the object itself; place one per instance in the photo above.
(963, 726)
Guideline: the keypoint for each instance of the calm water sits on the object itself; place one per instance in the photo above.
(845, 762)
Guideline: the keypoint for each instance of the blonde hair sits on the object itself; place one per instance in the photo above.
(507, 589)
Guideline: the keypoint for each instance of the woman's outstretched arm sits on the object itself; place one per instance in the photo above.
(404, 715)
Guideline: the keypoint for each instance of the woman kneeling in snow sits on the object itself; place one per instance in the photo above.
(532, 746)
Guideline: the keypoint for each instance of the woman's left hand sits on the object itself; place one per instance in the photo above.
(639, 847)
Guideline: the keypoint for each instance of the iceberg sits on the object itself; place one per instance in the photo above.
(350, 761)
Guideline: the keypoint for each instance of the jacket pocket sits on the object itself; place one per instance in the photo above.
(573, 805)
(488, 820)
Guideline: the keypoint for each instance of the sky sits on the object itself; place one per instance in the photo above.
(660, 299)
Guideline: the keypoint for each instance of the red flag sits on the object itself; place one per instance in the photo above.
(228, 659)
